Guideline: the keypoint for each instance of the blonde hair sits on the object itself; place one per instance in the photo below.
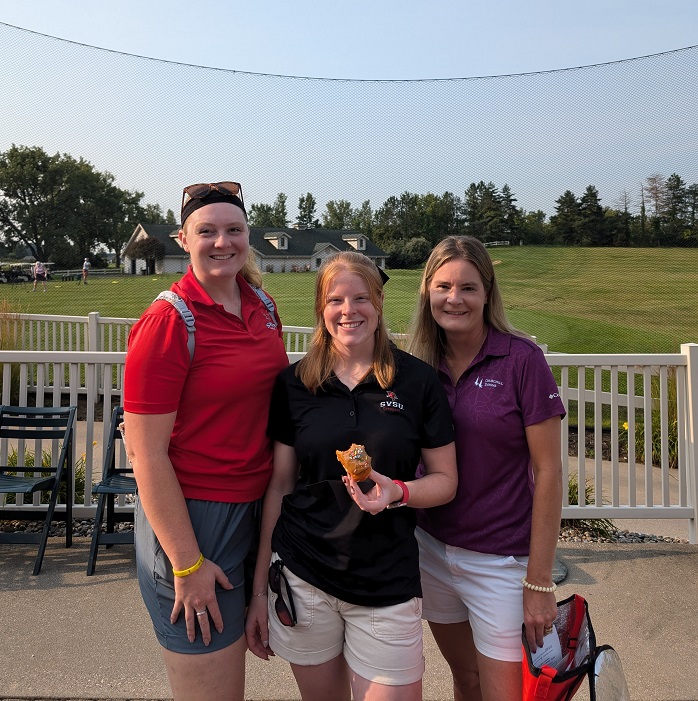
(316, 367)
(249, 271)
(428, 340)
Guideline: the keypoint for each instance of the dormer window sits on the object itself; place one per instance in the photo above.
(355, 240)
(278, 239)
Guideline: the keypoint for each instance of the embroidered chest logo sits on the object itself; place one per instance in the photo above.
(392, 404)
(271, 324)
(487, 382)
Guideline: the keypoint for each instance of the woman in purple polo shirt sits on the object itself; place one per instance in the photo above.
(487, 556)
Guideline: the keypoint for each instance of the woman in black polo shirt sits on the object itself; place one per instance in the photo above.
(345, 600)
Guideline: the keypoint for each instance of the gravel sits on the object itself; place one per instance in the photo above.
(84, 527)
(578, 535)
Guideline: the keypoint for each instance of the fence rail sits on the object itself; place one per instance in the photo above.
(49, 332)
(657, 436)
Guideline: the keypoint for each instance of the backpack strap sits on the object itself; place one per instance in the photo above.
(180, 305)
(267, 301)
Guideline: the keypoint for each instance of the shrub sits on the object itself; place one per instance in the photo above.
(672, 425)
(7, 342)
(598, 527)
(79, 470)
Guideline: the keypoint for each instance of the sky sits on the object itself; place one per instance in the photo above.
(370, 39)
(158, 126)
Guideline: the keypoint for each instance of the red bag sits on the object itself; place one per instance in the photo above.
(578, 644)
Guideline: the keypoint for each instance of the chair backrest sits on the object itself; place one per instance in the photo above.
(37, 424)
(115, 437)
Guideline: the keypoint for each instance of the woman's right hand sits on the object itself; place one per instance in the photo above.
(196, 593)
(383, 492)
(257, 628)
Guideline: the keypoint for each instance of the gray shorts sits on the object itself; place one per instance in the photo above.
(224, 533)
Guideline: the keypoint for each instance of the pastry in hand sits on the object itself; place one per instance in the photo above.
(356, 461)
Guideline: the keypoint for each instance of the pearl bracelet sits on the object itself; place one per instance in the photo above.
(536, 587)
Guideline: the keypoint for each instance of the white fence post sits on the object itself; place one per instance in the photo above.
(93, 332)
(93, 346)
(690, 350)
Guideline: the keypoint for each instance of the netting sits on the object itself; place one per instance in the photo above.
(159, 125)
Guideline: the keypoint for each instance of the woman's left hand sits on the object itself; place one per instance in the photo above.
(383, 492)
(540, 610)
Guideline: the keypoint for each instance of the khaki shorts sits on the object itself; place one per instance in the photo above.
(382, 644)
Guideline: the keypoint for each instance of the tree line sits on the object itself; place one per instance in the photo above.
(663, 212)
(62, 209)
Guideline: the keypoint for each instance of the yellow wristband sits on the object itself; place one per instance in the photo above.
(189, 570)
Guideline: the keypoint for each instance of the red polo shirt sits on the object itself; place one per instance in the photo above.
(219, 447)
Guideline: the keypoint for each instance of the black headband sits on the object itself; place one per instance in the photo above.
(214, 196)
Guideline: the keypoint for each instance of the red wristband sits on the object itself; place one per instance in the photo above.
(405, 491)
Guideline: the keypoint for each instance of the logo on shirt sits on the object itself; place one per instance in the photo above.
(271, 323)
(487, 382)
(392, 404)
(552, 396)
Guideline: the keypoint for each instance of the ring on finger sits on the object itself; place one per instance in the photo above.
(547, 630)
(201, 613)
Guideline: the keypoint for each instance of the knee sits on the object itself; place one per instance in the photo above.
(466, 681)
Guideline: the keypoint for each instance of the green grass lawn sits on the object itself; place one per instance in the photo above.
(574, 299)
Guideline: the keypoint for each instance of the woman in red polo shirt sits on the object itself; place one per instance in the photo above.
(196, 435)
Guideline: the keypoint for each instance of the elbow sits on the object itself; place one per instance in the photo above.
(448, 491)
(453, 488)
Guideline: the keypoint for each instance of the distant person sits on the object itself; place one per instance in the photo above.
(39, 271)
(487, 556)
(342, 600)
(86, 265)
(196, 436)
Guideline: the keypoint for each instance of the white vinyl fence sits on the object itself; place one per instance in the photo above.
(620, 395)
(93, 332)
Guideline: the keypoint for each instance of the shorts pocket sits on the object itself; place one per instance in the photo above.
(398, 622)
(517, 561)
(304, 599)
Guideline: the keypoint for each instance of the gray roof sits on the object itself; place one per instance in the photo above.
(167, 234)
(302, 243)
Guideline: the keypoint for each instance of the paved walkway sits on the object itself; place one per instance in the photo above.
(69, 636)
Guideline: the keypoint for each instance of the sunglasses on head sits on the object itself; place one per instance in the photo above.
(201, 190)
(276, 577)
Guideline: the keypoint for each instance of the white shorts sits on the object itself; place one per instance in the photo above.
(382, 644)
(463, 585)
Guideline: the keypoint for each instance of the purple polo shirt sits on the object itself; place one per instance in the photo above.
(507, 387)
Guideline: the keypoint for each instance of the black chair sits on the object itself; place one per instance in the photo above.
(115, 481)
(32, 427)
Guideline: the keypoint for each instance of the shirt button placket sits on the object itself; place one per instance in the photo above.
(352, 413)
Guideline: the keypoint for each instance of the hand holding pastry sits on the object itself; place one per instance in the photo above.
(384, 491)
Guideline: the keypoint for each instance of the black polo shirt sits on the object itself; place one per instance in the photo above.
(322, 535)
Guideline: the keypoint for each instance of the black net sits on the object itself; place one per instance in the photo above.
(624, 128)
